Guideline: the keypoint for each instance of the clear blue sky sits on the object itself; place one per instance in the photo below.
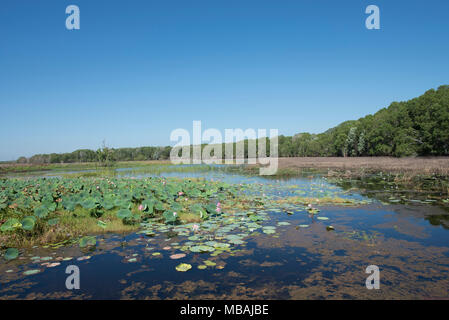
(136, 70)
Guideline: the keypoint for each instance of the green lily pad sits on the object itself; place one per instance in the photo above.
(31, 272)
(11, 254)
(10, 224)
(88, 203)
(87, 241)
(28, 223)
(209, 263)
(41, 212)
(53, 221)
(101, 224)
(123, 213)
(183, 267)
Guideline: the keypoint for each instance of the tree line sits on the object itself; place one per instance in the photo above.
(418, 127)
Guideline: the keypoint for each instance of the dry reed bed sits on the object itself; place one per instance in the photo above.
(412, 166)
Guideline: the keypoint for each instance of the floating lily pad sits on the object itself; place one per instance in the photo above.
(183, 267)
(11, 254)
(209, 263)
(177, 256)
(236, 241)
(54, 264)
(202, 248)
(31, 272)
(83, 258)
(87, 241)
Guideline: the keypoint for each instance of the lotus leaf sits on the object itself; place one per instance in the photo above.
(11, 254)
(87, 241)
(183, 267)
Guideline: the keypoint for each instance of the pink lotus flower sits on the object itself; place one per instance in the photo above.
(218, 204)
(195, 227)
(218, 209)
(180, 193)
(174, 214)
(140, 207)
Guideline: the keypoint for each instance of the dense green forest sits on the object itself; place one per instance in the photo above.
(417, 127)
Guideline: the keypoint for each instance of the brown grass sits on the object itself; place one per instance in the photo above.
(413, 166)
(12, 167)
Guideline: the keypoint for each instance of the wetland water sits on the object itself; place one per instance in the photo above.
(283, 252)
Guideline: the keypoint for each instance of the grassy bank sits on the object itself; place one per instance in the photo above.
(287, 166)
(9, 168)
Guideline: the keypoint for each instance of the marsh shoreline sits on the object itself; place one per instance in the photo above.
(408, 165)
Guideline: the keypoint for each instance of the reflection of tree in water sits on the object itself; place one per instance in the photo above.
(439, 220)
(417, 192)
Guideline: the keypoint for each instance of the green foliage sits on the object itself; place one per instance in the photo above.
(170, 217)
(11, 254)
(87, 241)
(416, 127)
(124, 213)
(28, 223)
(10, 225)
(105, 156)
(41, 212)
